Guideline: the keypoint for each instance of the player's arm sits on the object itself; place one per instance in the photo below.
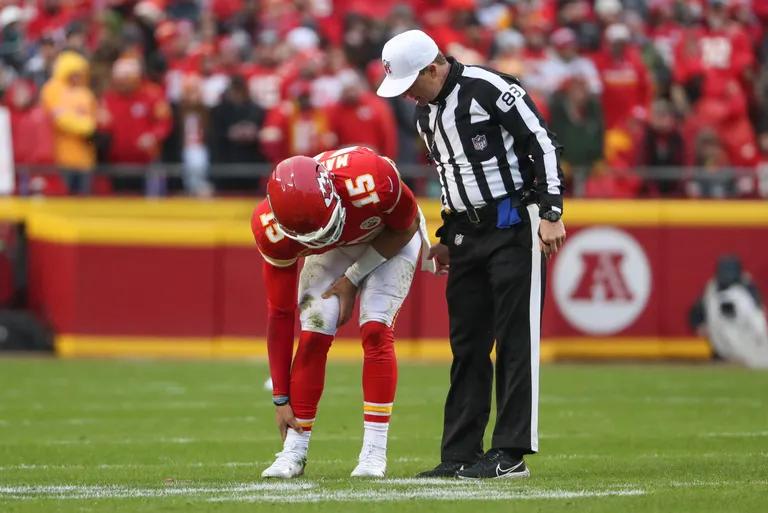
(280, 272)
(281, 310)
(401, 222)
(280, 283)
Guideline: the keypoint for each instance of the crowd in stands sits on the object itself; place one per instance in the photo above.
(625, 84)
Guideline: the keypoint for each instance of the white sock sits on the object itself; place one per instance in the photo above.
(297, 442)
(375, 433)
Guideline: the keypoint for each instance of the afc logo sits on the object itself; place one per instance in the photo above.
(602, 280)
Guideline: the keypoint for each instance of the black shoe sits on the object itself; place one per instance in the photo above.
(444, 469)
(495, 464)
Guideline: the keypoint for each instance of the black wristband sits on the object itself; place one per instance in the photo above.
(280, 400)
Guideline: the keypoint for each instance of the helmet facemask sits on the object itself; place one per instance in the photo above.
(325, 236)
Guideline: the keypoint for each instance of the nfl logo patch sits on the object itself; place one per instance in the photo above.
(480, 142)
(458, 239)
(387, 67)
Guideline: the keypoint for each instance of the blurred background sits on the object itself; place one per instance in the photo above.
(168, 114)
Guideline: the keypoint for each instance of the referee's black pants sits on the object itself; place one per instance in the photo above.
(495, 292)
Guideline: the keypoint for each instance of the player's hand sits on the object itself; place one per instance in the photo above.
(442, 257)
(286, 419)
(346, 292)
(551, 236)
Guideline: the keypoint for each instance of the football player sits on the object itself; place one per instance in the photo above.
(357, 226)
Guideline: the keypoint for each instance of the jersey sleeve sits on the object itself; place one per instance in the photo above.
(510, 104)
(277, 249)
(280, 272)
(280, 284)
(397, 202)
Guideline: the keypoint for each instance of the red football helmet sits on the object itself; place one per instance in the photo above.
(305, 203)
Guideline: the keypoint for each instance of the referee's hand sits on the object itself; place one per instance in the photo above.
(551, 236)
(441, 255)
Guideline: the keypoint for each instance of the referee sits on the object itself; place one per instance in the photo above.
(502, 197)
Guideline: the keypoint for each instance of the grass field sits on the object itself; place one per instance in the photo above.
(194, 436)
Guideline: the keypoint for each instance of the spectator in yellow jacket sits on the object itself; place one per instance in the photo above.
(72, 106)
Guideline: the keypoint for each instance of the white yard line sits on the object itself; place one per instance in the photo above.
(741, 434)
(433, 494)
(170, 465)
(124, 492)
(308, 491)
(700, 483)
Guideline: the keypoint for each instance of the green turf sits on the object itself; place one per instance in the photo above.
(131, 436)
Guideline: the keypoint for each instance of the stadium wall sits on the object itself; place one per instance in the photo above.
(183, 278)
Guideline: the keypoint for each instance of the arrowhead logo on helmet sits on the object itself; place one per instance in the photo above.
(305, 203)
(326, 185)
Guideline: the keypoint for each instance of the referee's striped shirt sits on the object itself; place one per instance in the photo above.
(488, 141)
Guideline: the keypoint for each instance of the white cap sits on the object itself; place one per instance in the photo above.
(617, 32)
(10, 14)
(508, 39)
(403, 57)
(303, 39)
(608, 7)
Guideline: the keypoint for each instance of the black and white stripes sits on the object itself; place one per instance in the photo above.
(488, 140)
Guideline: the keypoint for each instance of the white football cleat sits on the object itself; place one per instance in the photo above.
(287, 465)
(372, 462)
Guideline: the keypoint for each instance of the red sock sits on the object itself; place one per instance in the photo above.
(308, 376)
(379, 372)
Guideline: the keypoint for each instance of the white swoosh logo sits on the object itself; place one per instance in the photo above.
(500, 471)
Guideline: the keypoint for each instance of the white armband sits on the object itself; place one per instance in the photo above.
(368, 261)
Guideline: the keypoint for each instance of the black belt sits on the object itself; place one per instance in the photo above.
(487, 212)
(476, 215)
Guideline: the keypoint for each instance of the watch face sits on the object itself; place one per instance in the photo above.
(552, 216)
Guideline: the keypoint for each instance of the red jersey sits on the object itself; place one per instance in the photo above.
(372, 195)
(714, 54)
(626, 85)
(130, 116)
(368, 122)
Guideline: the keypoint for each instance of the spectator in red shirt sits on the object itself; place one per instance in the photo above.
(723, 109)
(135, 115)
(362, 118)
(625, 79)
(51, 19)
(719, 52)
(31, 127)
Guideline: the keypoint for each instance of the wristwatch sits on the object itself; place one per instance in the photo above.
(551, 216)
(280, 400)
